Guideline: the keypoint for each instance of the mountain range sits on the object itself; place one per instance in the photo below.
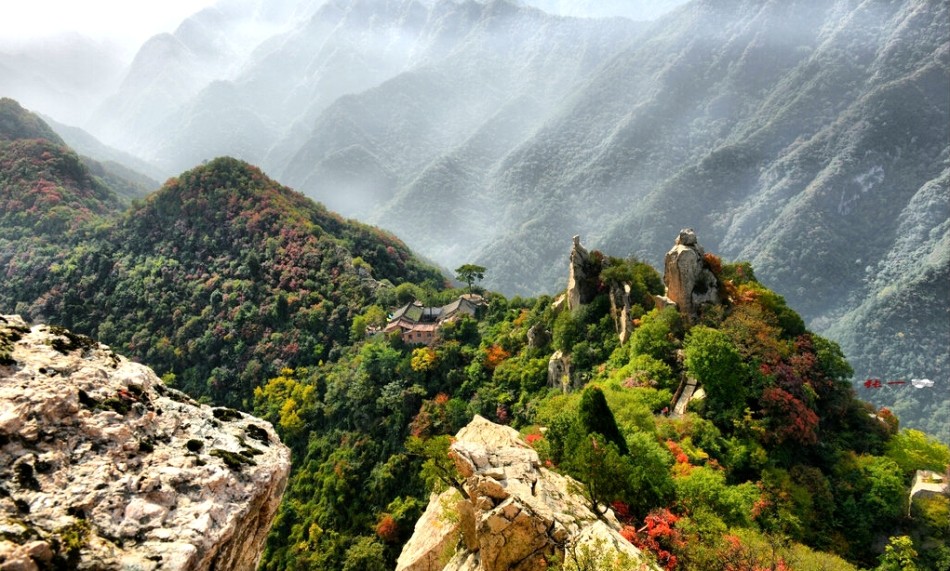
(245, 293)
(811, 138)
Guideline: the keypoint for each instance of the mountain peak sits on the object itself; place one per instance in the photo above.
(225, 191)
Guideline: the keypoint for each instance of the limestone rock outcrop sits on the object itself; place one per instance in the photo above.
(620, 310)
(538, 336)
(515, 515)
(104, 467)
(582, 279)
(559, 372)
(689, 282)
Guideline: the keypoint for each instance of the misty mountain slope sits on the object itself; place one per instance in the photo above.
(509, 56)
(169, 69)
(65, 75)
(679, 92)
(633, 9)
(343, 48)
(901, 327)
(450, 188)
(86, 144)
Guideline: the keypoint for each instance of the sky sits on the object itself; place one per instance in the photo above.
(127, 22)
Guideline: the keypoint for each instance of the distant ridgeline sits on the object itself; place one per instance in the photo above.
(696, 405)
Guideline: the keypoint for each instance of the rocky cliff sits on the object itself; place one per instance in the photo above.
(514, 516)
(104, 467)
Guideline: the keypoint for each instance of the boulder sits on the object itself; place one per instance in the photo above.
(516, 515)
(104, 467)
(690, 283)
(433, 540)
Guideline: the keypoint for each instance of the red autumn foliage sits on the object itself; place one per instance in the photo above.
(889, 419)
(387, 529)
(621, 510)
(658, 535)
(495, 356)
(789, 418)
(714, 263)
(677, 451)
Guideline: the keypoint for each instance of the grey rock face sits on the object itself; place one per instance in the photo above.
(559, 371)
(620, 310)
(689, 282)
(104, 467)
(582, 280)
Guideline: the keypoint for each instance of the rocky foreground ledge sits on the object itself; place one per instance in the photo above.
(104, 467)
(514, 516)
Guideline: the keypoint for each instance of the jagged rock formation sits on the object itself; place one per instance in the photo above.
(689, 282)
(582, 280)
(620, 309)
(559, 372)
(538, 336)
(515, 515)
(104, 467)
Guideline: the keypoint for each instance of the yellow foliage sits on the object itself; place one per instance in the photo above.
(423, 359)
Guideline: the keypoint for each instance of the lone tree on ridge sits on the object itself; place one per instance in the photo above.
(469, 273)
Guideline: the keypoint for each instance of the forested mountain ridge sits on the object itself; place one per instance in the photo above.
(220, 277)
(776, 465)
(45, 190)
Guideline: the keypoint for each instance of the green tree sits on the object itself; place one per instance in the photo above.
(366, 554)
(568, 331)
(469, 273)
(595, 418)
(899, 555)
(713, 360)
(656, 335)
(603, 470)
(913, 450)
(648, 482)
(438, 469)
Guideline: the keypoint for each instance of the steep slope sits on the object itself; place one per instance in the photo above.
(900, 330)
(632, 9)
(504, 71)
(791, 134)
(45, 190)
(217, 280)
(87, 145)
